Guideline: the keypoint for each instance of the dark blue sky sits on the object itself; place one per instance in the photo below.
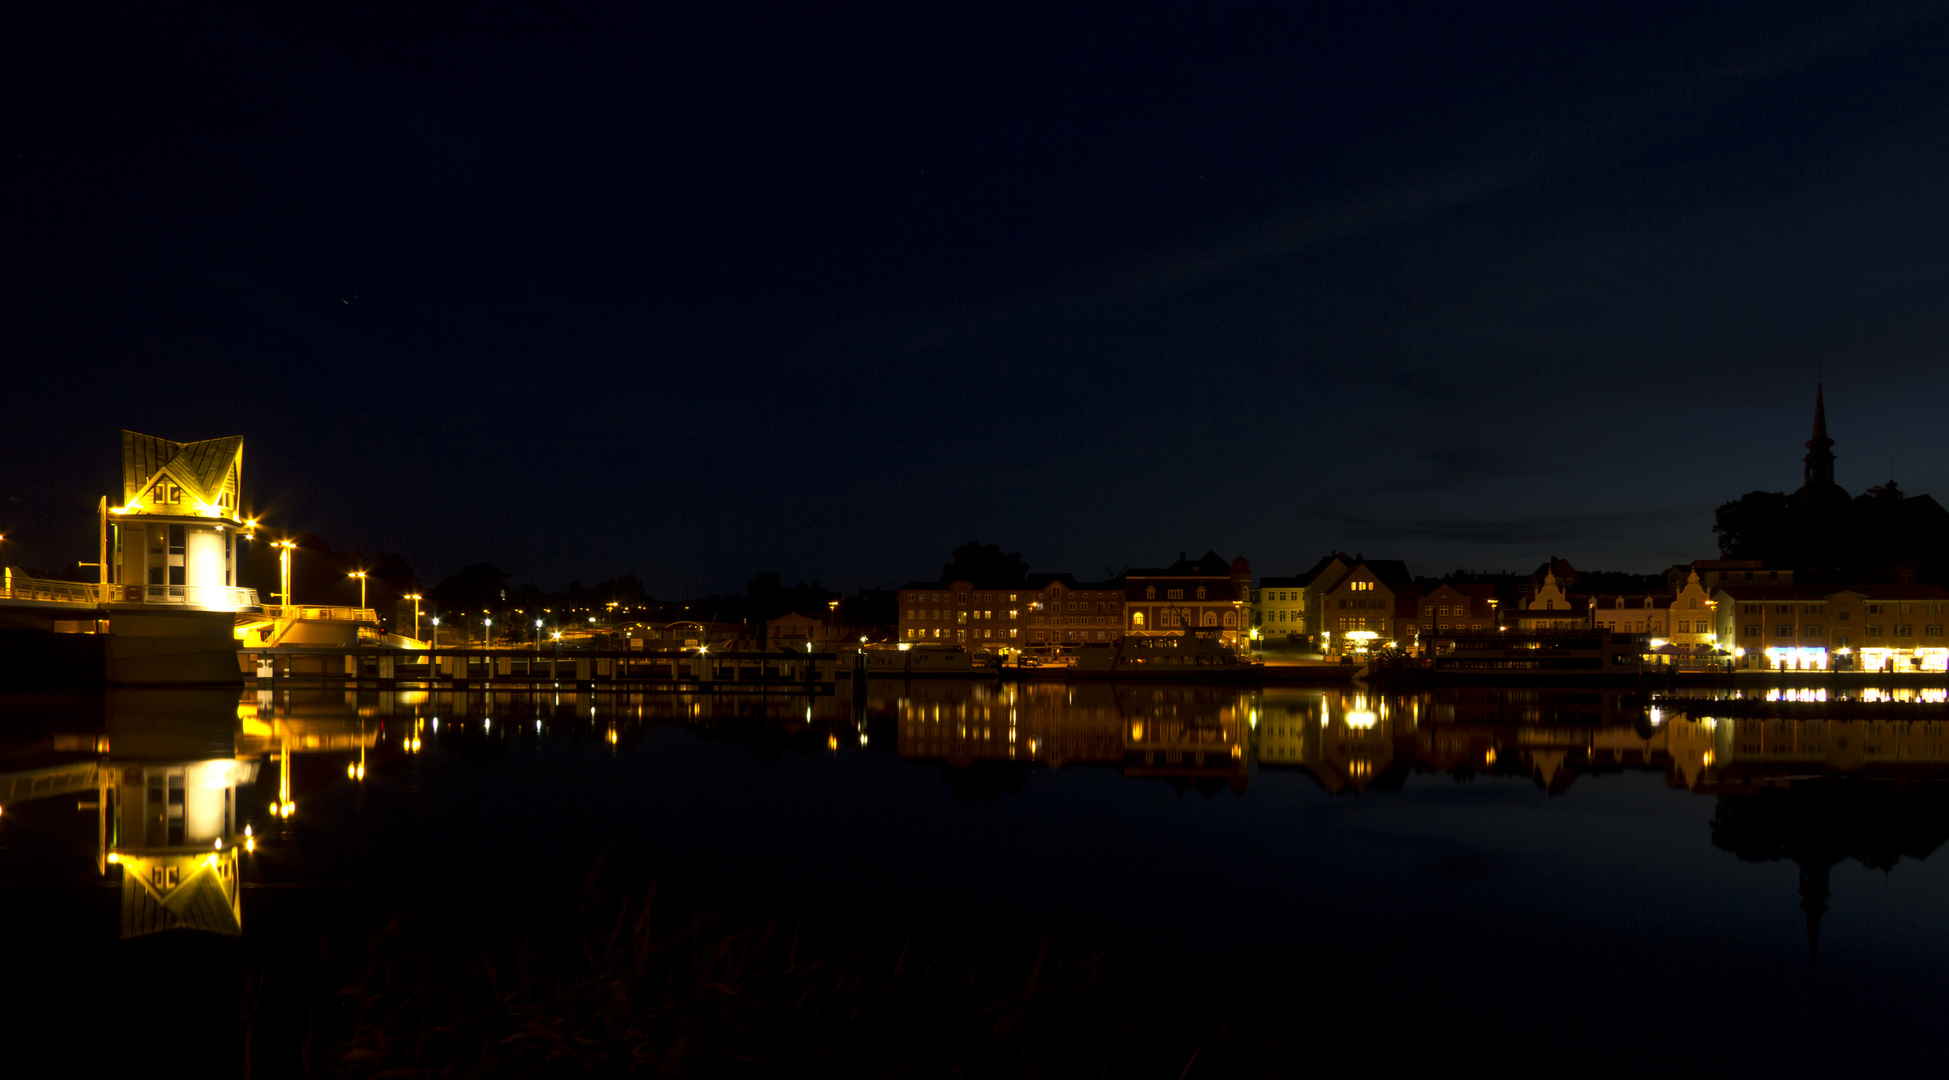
(700, 291)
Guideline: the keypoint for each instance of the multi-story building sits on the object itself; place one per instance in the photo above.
(1869, 628)
(1315, 581)
(1371, 602)
(1551, 607)
(1046, 610)
(1690, 622)
(1280, 607)
(1068, 612)
(1449, 609)
(1206, 592)
(1631, 613)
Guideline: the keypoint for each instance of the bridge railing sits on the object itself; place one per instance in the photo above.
(81, 593)
(214, 597)
(16, 587)
(321, 611)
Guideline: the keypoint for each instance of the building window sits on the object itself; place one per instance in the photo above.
(1874, 629)
(1232, 620)
(1903, 630)
(1874, 609)
(1783, 630)
(1150, 592)
(1783, 609)
(1812, 630)
(1201, 592)
(1136, 620)
(1933, 630)
(1174, 594)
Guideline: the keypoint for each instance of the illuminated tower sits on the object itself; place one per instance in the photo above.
(174, 538)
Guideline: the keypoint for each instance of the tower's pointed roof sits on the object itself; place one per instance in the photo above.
(202, 466)
(1819, 472)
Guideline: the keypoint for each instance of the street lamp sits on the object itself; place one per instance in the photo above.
(486, 633)
(285, 548)
(436, 631)
(360, 574)
(415, 598)
(537, 633)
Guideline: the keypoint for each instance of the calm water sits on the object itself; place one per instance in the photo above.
(1437, 876)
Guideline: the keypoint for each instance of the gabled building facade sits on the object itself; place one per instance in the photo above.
(1205, 592)
(1370, 604)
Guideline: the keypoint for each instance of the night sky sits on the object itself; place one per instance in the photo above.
(704, 290)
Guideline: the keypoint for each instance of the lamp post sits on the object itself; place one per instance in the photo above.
(486, 632)
(360, 574)
(285, 548)
(537, 635)
(415, 598)
(436, 632)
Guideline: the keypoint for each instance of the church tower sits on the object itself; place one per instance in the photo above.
(1820, 448)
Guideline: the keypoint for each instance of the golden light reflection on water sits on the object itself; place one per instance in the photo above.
(179, 791)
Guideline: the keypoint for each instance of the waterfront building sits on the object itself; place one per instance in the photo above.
(1370, 604)
(1449, 609)
(1690, 622)
(823, 633)
(1631, 613)
(1890, 628)
(1712, 572)
(1044, 609)
(1204, 592)
(1279, 608)
(1317, 578)
(1551, 607)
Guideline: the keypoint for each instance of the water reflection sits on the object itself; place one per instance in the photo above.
(186, 785)
(1185, 735)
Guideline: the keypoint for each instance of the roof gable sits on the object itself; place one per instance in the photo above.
(202, 467)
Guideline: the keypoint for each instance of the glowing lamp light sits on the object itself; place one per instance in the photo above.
(1361, 719)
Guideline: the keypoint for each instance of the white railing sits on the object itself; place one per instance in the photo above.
(208, 597)
(321, 611)
(16, 587)
(212, 597)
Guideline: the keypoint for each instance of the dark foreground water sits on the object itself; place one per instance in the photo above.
(1265, 882)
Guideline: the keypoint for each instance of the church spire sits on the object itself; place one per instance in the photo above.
(1820, 448)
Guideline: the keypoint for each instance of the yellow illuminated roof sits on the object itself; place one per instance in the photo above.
(202, 467)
